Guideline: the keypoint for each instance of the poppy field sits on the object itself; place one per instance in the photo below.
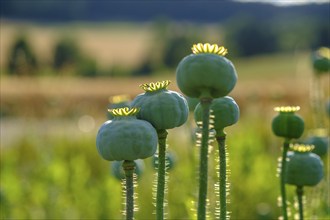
(50, 167)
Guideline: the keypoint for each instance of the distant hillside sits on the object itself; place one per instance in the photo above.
(195, 11)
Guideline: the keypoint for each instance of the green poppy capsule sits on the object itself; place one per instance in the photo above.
(321, 144)
(163, 108)
(126, 137)
(116, 169)
(224, 110)
(287, 124)
(321, 60)
(304, 168)
(206, 73)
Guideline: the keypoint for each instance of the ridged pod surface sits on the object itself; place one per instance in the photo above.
(225, 111)
(303, 169)
(163, 108)
(287, 124)
(126, 138)
(206, 74)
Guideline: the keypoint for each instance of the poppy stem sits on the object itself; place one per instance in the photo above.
(223, 175)
(203, 168)
(300, 192)
(129, 167)
(285, 149)
(161, 177)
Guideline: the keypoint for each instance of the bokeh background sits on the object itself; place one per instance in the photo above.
(61, 61)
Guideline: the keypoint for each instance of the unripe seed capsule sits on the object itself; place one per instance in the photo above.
(126, 137)
(206, 73)
(304, 168)
(287, 124)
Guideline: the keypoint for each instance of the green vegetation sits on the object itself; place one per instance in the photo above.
(22, 60)
(51, 176)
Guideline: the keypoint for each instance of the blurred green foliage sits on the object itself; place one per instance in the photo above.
(171, 42)
(66, 53)
(63, 177)
(22, 61)
(243, 36)
(68, 59)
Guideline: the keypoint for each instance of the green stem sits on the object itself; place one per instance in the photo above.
(162, 135)
(203, 168)
(282, 180)
(129, 167)
(223, 175)
(300, 193)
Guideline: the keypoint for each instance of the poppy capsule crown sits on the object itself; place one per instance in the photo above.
(152, 87)
(208, 48)
(126, 111)
(117, 101)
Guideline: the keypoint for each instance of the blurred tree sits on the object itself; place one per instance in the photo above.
(22, 60)
(68, 59)
(177, 47)
(146, 67)
(301, 32)
(87, 67)
(247, 37)
(172, 41)
(66, 54)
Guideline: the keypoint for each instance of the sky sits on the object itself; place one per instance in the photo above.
(287, 2)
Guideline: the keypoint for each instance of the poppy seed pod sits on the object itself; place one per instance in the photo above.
(206, 73)
(304, 168)
(321, 144)
(163, 108)
(287, 124)
(321, 60)
(126, 137)
(225, 111)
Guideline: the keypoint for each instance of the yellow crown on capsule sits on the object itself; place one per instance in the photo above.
(124, 111)
(151, 87)
(208, 48)
(287, 109)
(302, 148)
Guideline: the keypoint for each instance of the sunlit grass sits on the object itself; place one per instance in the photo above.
(61, 176)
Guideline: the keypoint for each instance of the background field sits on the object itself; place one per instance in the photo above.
(49, 164)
